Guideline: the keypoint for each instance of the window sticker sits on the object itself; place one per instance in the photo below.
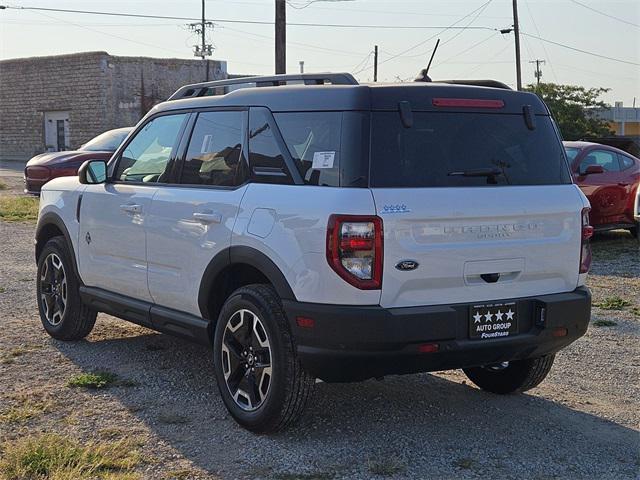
(323, 159)
(206, 144)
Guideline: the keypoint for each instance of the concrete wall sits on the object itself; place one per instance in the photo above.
(99, 91)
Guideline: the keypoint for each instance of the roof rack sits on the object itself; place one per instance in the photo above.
(222, 87)
(477, 83)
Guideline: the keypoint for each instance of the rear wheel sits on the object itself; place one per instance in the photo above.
(62, 312)
(635, 231)
(511, 377)
(260, 379)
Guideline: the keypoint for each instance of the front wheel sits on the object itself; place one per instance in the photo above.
(62, 312)
(259, 376)
(511, 377)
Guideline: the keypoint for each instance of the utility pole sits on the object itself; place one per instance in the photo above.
(516, 31)
(205, 49)
(538, 72)
(301, 62)
(281, 36)
(375, 63)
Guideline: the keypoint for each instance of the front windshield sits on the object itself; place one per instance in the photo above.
(571, 153)
(107, 141)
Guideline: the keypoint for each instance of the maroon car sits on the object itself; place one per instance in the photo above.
(609, 178)
(46, 166)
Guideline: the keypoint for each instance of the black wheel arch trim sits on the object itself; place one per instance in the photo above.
(52, 218)
(240, 254)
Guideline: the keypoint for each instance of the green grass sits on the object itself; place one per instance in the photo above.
(613, 303)
(635, 311)
(3, 186)
(604, 323)
(18, 209)
(93, 381)
(55, 457)
(26, 411)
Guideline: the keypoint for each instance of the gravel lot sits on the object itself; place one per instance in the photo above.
(582, 422)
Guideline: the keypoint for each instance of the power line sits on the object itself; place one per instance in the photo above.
(544, 48)
(604, 13)
(250, 22)
(471, 47)
(453, 25)
(580, 50)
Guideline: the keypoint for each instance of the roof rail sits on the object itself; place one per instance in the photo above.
(222, 87)
(477, 83)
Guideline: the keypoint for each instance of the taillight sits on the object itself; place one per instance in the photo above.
(354, 249)
(585, 248)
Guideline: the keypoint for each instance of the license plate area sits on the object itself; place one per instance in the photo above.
(493, 320)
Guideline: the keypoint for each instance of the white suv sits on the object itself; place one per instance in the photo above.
(309, 227)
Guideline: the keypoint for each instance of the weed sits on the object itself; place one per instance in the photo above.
(56, 457)
(18, 209)
(604, 323)
(2, 289)
(25, 411)
(93, 380)
(385, 468)
(3, 186)
(635, 311)
(464, 463)
(613, 303)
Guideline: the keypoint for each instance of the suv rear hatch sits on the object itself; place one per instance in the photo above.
(476, 200)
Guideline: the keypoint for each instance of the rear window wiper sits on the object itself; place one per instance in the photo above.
(477, 172)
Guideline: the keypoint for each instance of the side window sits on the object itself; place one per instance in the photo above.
(214, 156)
(313, 140)
(146, 157)
(607, 160)
(625, 162)
(266, 160)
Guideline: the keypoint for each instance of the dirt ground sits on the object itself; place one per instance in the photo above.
(583, 422)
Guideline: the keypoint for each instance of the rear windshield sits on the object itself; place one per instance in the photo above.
(448, 149)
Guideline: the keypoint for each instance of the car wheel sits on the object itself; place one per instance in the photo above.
(635, 231)
(511, 377)
(260, 378)
(62, 312)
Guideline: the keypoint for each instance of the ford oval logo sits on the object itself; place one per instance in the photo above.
(405, 265)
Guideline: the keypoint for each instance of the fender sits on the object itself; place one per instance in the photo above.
(52, 218)
(239, 254)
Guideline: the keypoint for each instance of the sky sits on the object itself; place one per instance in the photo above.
(478, 51)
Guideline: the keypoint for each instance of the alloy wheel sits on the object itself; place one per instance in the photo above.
(53, 289)
(246, 360)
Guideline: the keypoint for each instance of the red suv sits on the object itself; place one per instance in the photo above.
(609, 178)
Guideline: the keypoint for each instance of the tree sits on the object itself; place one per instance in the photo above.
(573, 108)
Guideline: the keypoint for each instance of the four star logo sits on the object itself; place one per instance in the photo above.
(489, 316)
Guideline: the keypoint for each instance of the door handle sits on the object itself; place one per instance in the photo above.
(622, 184)
(210, 217)
(128, 208)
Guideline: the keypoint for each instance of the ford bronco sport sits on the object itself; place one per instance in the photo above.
(306, 226)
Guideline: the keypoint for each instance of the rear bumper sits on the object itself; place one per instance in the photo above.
(349, 343)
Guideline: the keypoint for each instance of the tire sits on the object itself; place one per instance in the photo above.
(635, 231)
(517, 377)
(276, 396)
(62, 312)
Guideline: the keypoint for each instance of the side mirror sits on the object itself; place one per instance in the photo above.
(92, 172)
(592, 169)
